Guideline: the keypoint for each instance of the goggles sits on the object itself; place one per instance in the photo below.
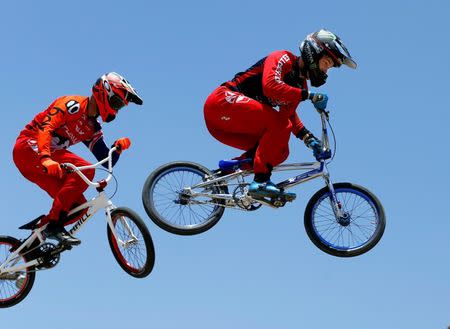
(115, 102)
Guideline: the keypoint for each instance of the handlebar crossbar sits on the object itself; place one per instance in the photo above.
(72, 168)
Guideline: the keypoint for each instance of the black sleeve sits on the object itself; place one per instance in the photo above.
(302, 133)
(100, 151)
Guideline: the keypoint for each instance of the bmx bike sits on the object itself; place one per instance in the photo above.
(128, 237)
(341, 219)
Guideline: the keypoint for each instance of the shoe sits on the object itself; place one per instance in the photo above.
(267, 190)
(57, 232)
(76, 216)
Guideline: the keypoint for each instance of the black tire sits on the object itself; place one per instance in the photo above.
(8, 286)
(180, 225)
(338, 238)
(137, 261)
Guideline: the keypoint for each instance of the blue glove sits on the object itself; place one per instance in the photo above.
(319, 100)
(314, 144)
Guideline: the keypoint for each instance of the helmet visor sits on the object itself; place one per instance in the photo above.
(349, 62)
(345, 57)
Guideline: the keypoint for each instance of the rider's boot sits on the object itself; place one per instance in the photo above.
(76, 216)
(268, 190)
(56, 231)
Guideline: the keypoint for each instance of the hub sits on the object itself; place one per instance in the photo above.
(183, 197)
(345, 219)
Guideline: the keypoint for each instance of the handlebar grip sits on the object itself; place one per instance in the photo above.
(66, 168)
(318, 97)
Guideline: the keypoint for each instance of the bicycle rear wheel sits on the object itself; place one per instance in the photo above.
(169, 202)
(359, 229)
(134, 250)
(14, 287)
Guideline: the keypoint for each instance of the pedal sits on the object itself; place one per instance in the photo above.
(230, 203)
(290, 198)
(260, 199)
(286, 196)
(281, 200)
(60, 247)
(278, 203)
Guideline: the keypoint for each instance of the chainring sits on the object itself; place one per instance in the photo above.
(243, 200)
(47, 259)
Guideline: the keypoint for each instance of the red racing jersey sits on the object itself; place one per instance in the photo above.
(270, 81)
(274, 80)
(64, 123)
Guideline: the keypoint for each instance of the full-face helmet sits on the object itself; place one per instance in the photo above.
(112, 92)
(318, 44)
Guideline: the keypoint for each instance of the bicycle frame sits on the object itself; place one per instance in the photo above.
(97, 203)
(314, 170)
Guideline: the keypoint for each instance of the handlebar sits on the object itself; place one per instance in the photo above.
(326, 151)
(72, 168)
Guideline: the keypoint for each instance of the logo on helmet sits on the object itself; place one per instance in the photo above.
(108, 87)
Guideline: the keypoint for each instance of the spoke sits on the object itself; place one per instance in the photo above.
(196, 211)
(8, 288)
(134, 254)
(362, 226)
(367, 233)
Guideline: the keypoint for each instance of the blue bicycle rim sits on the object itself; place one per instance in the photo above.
(364, 220)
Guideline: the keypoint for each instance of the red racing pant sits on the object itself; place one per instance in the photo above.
(244, 123)
(66, 191)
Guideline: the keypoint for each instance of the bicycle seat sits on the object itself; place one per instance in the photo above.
(234, 164)
(33, 224)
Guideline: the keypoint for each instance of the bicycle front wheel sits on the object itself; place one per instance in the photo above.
(358, 230)
(14, 286)
(172, 203)
(133, 249)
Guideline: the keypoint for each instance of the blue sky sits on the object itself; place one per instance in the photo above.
(253, 270)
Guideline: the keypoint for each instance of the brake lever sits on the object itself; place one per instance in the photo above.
(327, 113)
